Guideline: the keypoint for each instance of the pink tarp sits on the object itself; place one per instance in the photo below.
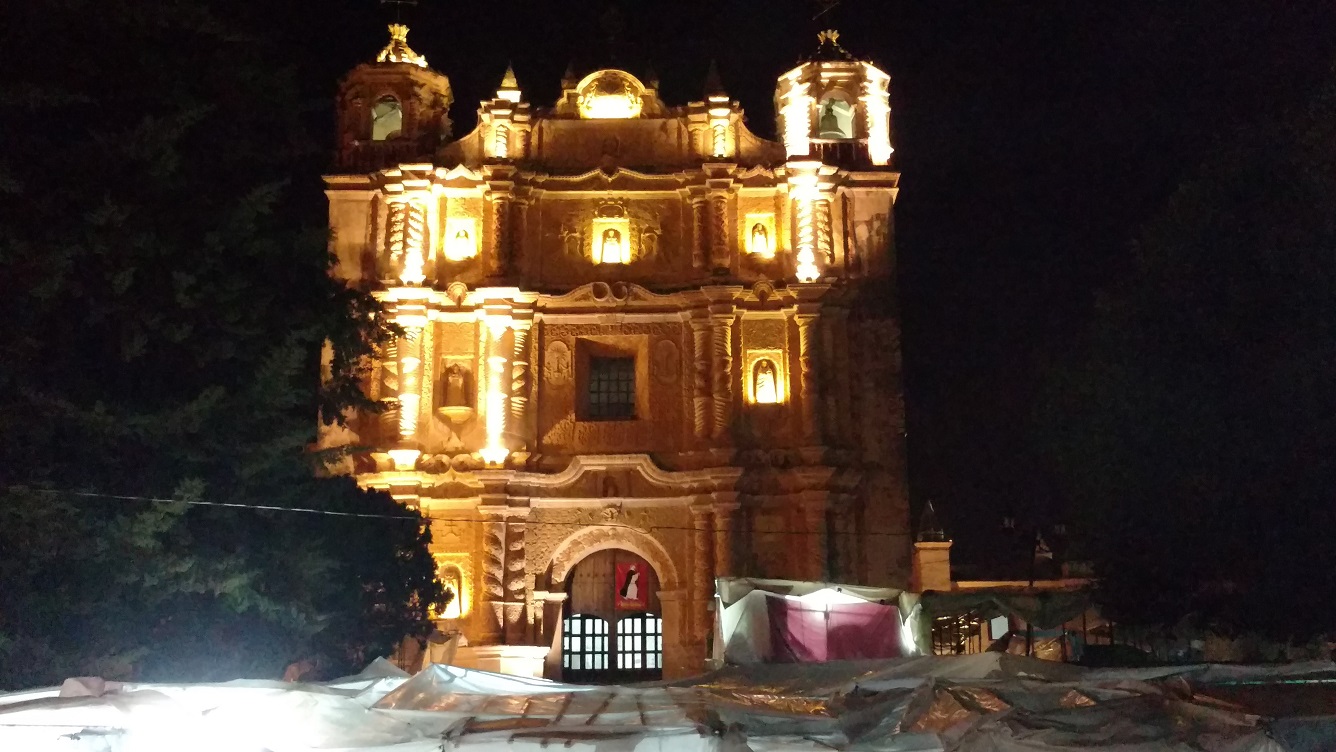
(806, 632)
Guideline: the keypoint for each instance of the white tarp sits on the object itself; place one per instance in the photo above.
(742, 633)
(991, 702)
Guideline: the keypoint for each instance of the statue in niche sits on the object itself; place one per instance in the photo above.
(610, 247)
(764, 384)
(456, 386)
(760, 239)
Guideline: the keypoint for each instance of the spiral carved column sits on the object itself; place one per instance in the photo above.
(701, 389)
(723, 372)
(719, 231)
(514, 582)
(808, 388)
(493, 575)
(519, 385)
(409, 349)
(501, 245)
(699, 230)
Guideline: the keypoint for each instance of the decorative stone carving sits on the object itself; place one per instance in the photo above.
(586, 541)
(702, 570)
(501, 245)
(456, 292)
(667, 362)
(519, 380)
(410, 363)
(723, 373)
(701, 395)
(825, 239)
(557, 363)
(719, 232)
(807, 336)
(699, 225)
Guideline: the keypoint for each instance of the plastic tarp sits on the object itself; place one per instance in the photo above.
(991, 702)
(768, 621)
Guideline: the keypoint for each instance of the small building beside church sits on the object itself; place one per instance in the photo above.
(643, 347)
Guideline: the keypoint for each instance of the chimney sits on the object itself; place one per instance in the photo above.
(932, 555)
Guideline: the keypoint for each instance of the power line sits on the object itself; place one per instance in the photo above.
(424, 515)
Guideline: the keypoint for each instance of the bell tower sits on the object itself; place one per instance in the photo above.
(394, 110)
(835, 108)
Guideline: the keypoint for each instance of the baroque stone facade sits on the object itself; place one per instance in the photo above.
(739, 282)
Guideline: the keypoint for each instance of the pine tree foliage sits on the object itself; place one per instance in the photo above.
(166, 308)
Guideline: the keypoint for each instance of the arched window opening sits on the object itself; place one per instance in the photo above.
(584, 644)
(836, 119)
(765, 382)
(387, 119)
(640, 643)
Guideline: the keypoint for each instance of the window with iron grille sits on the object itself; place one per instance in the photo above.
(584, 643)
(640, 643)
(612, 389)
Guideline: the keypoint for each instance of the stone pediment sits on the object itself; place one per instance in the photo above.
(594, 478)
(608, 179)
(624, 296)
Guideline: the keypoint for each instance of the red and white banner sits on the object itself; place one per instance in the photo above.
(632, 586)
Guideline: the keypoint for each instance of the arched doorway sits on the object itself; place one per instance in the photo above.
(613, 628)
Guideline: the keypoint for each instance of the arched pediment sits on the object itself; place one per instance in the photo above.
(590, 540)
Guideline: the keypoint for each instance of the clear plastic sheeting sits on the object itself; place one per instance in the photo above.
(980, 703)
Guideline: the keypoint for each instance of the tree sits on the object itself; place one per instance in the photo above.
(1197, 432)
(167, 304)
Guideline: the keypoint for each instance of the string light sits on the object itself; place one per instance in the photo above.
(368, 515)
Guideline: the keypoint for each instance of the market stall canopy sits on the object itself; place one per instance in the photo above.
(989, 702)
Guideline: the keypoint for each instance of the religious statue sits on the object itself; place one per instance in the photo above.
(460, 246)
(765, 388)
(760, 240)
(610, 247)
(456, 386)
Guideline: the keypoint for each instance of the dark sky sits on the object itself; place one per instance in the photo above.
(1033, 138)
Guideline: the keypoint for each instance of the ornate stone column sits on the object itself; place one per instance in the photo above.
(498, 385)
(725, 521)
(701, 388)
(493, 590)
(515, 580)
(719, 230)
(722, 367)
(699, 230)
(807, 375)
(406, 238)
(409, 350)
(681, 656)
(502, 252)
(519, 385)
(840, 398)
(702, 573)
(825, 237)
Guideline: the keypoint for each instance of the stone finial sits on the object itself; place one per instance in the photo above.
(568, 79)
(714, 85)
(929, 529)
(398, 51)
(509, 81)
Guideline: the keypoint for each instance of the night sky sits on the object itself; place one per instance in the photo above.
(1033, 139)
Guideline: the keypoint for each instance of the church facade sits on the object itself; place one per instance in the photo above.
(642, 347)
